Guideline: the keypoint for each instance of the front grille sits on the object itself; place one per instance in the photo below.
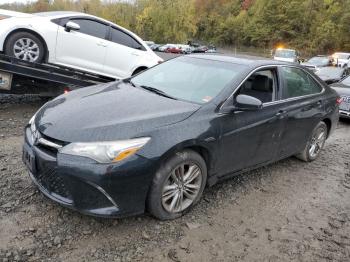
(48, 178)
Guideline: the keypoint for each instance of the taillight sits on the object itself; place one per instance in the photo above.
(339, 100)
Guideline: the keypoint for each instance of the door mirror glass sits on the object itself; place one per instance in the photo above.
(72, 26)
(247, 103)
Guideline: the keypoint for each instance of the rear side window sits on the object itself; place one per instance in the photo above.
(92, 28)
(119, 37)
(298, 83)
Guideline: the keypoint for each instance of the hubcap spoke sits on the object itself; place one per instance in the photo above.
(26, 49)
(181, 188)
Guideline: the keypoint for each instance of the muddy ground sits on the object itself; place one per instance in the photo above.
(288, 211)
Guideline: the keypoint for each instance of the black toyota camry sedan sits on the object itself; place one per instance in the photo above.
(153, 142)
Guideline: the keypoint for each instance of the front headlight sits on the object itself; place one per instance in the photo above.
(106, 152)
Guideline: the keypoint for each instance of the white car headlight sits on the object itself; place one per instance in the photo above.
(106, 152)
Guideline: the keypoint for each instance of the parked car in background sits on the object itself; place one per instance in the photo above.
(211, 49)
(200, 49)
(154, 141)
(186, 49)
(149, 43)
(343, 90)
(286, 55)
(332, 74)
(75, 40)
(341, 59)
(316, 62)
(174, 49)
(163, 48)
(155, 47)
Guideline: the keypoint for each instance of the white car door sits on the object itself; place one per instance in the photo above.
(84, 48)
(123, 54)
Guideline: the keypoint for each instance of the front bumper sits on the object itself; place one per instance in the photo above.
(107, 190)
(344, 114)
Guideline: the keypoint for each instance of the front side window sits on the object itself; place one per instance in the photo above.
(192, 79)
(346, 81)
(298, 83)
(92, 28)
(119, 37)
(261, 85)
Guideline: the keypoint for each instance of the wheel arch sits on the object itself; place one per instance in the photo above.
(199, 148)
(46, 54)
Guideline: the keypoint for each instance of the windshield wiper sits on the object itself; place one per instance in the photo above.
(158, 92)
(128, 80)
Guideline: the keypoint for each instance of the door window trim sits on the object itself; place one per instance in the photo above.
(308, 74)
(109, 37)
(279, 88)
(64, 20)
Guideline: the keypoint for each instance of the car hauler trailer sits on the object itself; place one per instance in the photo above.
(47, 80)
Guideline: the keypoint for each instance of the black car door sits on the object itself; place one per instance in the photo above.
(302, 104)
(249, 138)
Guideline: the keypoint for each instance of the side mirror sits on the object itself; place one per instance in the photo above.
(247, 103)
(72, 26)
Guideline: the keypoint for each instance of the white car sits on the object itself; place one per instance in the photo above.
(75, 40)
(286, 55)
(341, 59)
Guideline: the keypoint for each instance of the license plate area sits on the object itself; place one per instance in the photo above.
(345, 104)
(29, 158)
(5, 80)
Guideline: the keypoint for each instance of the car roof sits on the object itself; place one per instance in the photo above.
(13, 13)
(60, 14)
(251, 61)
(341, 53)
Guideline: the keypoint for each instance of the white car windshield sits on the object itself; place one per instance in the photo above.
(318, 60)
(346, 81)
(191, 79)
(284, 53)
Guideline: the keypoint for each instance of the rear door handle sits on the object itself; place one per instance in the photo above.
(135, 54)
(281, 114)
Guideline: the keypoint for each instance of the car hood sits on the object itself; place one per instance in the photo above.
(327, 77)
(341, 89)
(283, 59)
(109, 112)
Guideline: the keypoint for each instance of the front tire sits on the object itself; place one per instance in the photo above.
(25, 46)
(315, 143)
(177, 186)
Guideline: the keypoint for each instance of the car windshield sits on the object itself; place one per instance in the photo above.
(188, 78)
(285, 53)
(335, 72)
(346, 81)
(341, 56)
(318, 60)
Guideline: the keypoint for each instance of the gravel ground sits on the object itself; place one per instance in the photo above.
(288, 211)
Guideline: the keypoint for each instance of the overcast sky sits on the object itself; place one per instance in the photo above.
(12, 1)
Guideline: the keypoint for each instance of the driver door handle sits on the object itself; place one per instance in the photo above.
(281, 114)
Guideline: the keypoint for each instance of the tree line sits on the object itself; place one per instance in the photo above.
(312, 26)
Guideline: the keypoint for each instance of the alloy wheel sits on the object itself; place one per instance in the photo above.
(182, 187)
(317, 142)
(26, 49)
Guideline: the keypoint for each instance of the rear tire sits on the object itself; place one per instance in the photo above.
(177, 186)
(315, 144)
(25, 46)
